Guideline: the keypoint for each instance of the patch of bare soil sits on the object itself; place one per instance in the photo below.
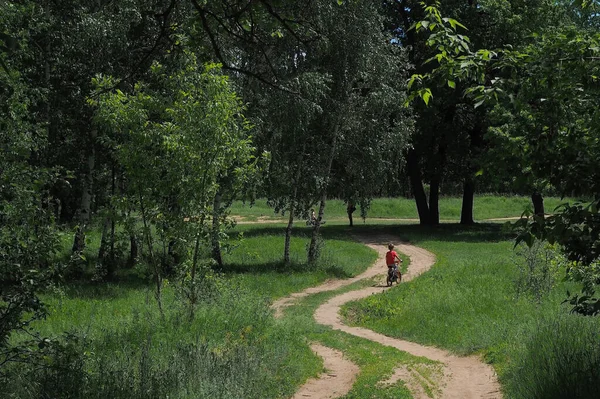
(337, 380)
(421, 381)
(259, 220)
(461, 377)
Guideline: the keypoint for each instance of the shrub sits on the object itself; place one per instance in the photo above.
(538, 268)
(558, 359)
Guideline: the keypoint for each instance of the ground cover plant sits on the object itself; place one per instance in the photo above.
(469, 303)
(257, 261)
(137, 124)
(376, 362)
(120, 346)
(125, 349)
(485, 207)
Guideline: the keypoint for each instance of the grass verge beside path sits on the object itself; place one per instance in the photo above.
(485, 207)
(467, 303)
(233, 348)
(257, 261)
(376, 361)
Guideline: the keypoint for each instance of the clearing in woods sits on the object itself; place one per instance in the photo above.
(461, 377)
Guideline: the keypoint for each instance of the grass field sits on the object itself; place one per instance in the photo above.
(124, 349)
(376, 362)
(468, 303)
(485, 207)
(257, 261)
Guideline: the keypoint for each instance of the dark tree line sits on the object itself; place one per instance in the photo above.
(145, 120)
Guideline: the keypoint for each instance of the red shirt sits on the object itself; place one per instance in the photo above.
(390, 257)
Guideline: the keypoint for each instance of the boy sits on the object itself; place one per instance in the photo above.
(392, 260)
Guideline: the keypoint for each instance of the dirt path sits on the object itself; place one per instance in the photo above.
(463, 377)
(271, 220)
(335, 382)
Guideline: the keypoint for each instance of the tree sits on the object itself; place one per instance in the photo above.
(28, 238)
(363, 65)
(313, 72)
(450, 143)
(61, 46)
(184, 136)
(551, 86)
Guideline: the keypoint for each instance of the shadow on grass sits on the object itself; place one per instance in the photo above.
(112, 290)
(451, 232)
(266, 267)
(279, 267)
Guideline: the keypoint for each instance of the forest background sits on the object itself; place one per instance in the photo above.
(143, 121)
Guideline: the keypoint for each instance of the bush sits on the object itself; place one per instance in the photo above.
(538, 267)
(558, 359)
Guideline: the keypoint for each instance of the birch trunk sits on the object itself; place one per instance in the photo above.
(216, 229)
(292, 210)
(85, 209)
(313, 250)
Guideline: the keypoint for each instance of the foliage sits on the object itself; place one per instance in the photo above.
(558, 359)
(28, 238)
(575, 228)
(538, 267)
(467, 303)
(181, 139)
(551, 86)
(324, 85)
(231, 348)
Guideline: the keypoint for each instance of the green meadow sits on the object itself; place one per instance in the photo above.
(485, 207)
(121, 347)
(469, 303)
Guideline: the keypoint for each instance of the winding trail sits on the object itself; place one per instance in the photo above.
(463, 377)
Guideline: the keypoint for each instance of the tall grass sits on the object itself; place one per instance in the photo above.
(558, 358)
(119, 346)
(231, 349)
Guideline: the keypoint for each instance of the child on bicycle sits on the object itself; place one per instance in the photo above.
(392, 260)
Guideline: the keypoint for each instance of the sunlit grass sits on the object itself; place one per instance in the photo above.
(233, 337)
(467, 302)
(485, 207)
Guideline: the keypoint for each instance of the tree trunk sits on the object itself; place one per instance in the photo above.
(313, 249)
(133, 251)
(153, 261)
(466, 214)
(193, 297)
(288, 232)
(538, 204)
(216, 230)
(434, 199)
(416, 183)
(104, 264)
(434, 189)
(112, 216)
(292, 210)
(350, 208)
(85, 209)
(476, 143)
(193, 293)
